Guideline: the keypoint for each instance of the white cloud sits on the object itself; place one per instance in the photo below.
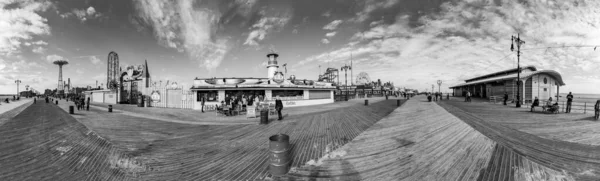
(470, 38)
(371, 6)
(39, 50)
(182, 26)
(330, 34)
(333, 25)
(82, 14)
(325, 41)
(40, 42)
(91, 11)
(95, 60)
(272, 21)
(19, 23)
(327, 14)
(52, 58)
(2, 64)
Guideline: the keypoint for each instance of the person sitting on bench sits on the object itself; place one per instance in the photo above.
(548, 104)
(536, 102)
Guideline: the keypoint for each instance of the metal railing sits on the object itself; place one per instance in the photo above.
(576, 107)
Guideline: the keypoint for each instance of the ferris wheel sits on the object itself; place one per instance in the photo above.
(363, 78)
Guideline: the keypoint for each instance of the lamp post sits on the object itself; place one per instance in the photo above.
(18, 82)
(518, 41)
(345, 68)
(432, 88)
(439, 85)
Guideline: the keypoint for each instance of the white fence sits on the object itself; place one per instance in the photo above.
(173, 98)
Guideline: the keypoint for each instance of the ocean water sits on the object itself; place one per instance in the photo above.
(589, 98)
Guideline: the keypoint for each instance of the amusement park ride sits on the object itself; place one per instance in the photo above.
(126, 83)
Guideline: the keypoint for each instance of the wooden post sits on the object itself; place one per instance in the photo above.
(584, 107)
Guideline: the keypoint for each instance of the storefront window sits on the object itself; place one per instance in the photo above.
(211, 96)
(288, 94)
(240, 93)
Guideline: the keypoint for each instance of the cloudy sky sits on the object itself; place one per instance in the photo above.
(412, 43)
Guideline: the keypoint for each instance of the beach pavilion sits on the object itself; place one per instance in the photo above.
(293, 92)
(534, 83)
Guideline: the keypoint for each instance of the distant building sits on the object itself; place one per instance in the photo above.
(534, 83)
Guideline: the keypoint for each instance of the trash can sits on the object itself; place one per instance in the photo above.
(56, 102)
(71, 110)
(429, 98)
(279, 157)
(366, 102)
(109, 108)
(264, 117)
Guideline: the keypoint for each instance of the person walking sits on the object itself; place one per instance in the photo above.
(279, 107)
(202, 101)
(82, 103)
(536, 102)
(88, 104)
(597, 110)
(569, 101)
(505, 97)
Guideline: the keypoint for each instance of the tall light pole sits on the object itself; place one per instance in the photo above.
(439, 85)
(345, 68)
(518, 41)
(18, 82)
(432, 88)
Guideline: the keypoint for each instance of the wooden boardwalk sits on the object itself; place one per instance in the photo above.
(423, 141)
(121, 147)
(45, 143)
(573, 127)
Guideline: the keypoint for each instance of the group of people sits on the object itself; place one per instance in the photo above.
(80, 102)
(231, 102)
(468, 96)
(436, 96)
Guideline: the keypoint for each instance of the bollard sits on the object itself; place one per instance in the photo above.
(366, 102)
(279, 146)
(109, 108)
(398, 103)
(56, 102)
(71, 110)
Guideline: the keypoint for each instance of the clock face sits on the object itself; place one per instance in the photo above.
(278, 77)
(155, 96)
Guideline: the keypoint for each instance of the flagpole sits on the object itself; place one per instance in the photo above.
(351, 75)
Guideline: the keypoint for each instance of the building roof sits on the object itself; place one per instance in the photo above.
(500, 73)
(524, 75)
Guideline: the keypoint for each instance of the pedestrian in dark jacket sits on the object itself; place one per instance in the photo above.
(82, 103)
(203, 100)
(597, 110)
(88, 104)
(279, 107)
(505, 97)
(569, 101)
(536, 102)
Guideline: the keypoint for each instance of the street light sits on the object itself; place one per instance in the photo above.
(18, 82)
(439, 85)
(345, 68)
(518, 41)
